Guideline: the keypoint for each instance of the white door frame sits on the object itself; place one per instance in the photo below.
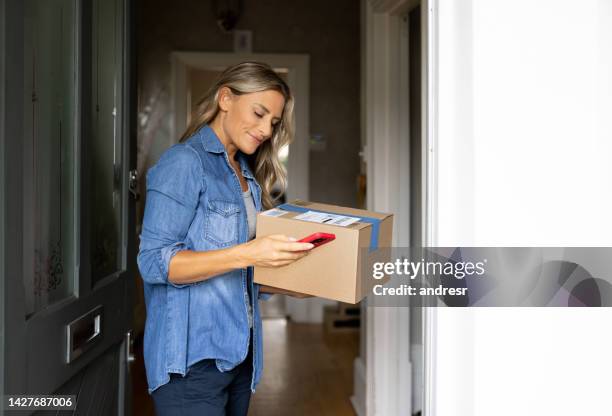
(429, 24)
(388, 370)
(298, 66)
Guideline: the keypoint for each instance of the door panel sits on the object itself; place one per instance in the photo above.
(49, 141)
(90, 385)
(48, 368)
(105, 145)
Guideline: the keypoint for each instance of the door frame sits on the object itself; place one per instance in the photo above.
(429, 24)
(298, 80)
(384, 370)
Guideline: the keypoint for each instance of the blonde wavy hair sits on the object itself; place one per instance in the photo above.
(245, 78)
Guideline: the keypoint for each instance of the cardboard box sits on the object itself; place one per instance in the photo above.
(332, 270)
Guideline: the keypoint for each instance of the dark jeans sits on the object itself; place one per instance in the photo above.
(206, 391)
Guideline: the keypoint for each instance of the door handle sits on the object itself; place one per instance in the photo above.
(129, 341)
(83, 333)
(133, 184)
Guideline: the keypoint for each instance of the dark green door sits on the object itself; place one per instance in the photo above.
(68, 244)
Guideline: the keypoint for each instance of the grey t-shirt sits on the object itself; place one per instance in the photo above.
(251, 212)
(251, 219)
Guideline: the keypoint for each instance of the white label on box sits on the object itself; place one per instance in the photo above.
(324, 218)
(274, 212)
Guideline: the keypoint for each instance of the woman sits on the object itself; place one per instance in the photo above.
(203, 335)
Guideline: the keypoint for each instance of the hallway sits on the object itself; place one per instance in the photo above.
(307, 371)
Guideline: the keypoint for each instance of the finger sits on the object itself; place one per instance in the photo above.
(300, 254)
(289, 255)
(283, 237)
(295, 246)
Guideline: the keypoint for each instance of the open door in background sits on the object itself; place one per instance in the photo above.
(69, 243)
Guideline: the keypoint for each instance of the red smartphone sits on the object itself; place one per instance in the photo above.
(318, 239)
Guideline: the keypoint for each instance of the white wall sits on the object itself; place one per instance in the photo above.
(523, 150)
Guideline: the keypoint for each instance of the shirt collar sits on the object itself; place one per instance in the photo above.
(244, 165)
(212, 144)
(210, 141)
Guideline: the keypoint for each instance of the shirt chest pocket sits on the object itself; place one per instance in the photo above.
(221, 222)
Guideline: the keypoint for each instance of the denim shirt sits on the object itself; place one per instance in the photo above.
(194, 202)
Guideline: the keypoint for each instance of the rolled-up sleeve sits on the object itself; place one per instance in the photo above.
(174, 185)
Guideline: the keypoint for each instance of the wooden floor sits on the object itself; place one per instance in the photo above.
(306, 372)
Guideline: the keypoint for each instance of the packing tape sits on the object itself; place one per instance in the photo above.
(369, 220)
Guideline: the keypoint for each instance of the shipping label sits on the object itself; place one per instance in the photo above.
(325, 218)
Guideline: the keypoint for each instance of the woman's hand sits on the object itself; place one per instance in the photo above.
(272, 251)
